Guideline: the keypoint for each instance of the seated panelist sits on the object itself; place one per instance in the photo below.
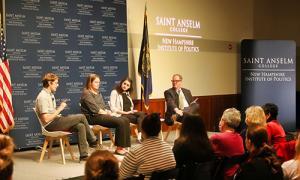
(121, 104)
(52, 120)
(179, 100)
(93, 106)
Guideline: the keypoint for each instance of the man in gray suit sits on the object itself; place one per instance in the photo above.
(179, 100)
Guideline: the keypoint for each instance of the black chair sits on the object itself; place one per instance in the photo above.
(164, 175)
(138, 177)
(197, 171)
(222, 163)
(157, 175)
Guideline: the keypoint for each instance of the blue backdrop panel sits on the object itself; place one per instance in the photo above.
(71, 38)
(268, 71)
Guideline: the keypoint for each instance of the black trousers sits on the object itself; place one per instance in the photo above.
(121, 124)
(136, 118)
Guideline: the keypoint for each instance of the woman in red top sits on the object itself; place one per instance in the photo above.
(276, 132)
(228, 143)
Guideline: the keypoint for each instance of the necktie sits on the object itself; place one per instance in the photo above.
(181, 99)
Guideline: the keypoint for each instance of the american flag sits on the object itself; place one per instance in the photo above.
(6, 108)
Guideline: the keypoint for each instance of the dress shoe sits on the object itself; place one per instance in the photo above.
(120, 152)
(94, 144)
(83, 158)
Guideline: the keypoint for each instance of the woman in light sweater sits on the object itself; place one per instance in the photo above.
(121, 104)
(291, 168)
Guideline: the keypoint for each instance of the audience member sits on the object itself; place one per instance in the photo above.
(94, 108)
(192, 146)
(277, 138)
(291, 168)
(152, 155)
(228, 143)
(53, 121)
(179, 100)
(275, 130)
(102, 165)
(255, 117)
(121, 104)
(262, 162)
(6, 161)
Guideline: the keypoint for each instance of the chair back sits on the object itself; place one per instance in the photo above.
(49, 133)
(164, 175)
(44, 131)
(222, 163)
(197, 171)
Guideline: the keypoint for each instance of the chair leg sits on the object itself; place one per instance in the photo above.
(50, 148)
(168, 132)
(100, 138)
(136, 132)
(176, 132)
(112, 139)
(69, 148)
(161, 134)
(61, 142)
(44, 149)
(161, 129)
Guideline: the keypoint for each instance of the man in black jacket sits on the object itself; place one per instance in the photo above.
(179, 100)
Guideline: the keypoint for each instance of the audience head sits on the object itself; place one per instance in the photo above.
(6, 162)
(193, 126)
(93, 82)
(49, 79)
(151, 125)
(271, 111)
(256, 137)
(231, 118)
(102, 165)
(176, 81)
(256, 144)
(125, 85)
(255, 116)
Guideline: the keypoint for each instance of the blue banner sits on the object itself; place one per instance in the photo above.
(71, 38)
(268, 75)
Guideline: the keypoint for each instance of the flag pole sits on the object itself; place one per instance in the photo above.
(142, 74)
(144, 67)
(141, 98)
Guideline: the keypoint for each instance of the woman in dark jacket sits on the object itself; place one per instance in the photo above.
(262, 162)
(94, 108)
(192, 150)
